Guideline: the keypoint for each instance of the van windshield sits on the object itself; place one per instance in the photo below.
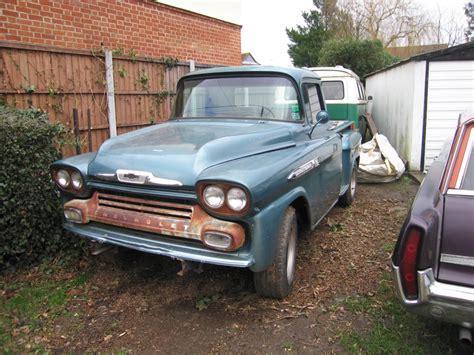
(260, 97)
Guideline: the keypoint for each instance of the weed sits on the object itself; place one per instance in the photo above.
(144, 80)
(169, 62)
(118, 51)
(393, 330)
(26, 306)
(388, 247)
(30, 89)
(287, 345)
(203, 302)
(132, 54)
(122, 71)
(357, 304)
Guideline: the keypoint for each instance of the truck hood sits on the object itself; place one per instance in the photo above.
(181, 150)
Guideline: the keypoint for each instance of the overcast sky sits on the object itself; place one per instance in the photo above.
(264, 21)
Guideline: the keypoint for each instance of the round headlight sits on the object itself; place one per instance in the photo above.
(236, 199)
(214, 196)
(63, 178)
(76, 180)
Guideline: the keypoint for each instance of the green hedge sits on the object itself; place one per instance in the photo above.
(30, 215)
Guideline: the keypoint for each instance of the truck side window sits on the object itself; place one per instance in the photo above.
(312, 100)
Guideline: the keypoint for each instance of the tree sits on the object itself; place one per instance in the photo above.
(306, 41)
(469, 11)
(393, 22)
(327, 21)
(447, 28)
(361, 56)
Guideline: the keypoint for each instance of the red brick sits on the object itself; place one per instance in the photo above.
(152, 29)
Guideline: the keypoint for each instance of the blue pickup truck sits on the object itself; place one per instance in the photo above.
(248, 158)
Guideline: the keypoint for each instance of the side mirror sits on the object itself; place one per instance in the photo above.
(370, 97)
(322, 117)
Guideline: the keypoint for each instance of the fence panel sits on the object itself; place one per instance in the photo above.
(58, 81)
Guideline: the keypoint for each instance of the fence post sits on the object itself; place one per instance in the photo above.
(109, 77)
(192, 66)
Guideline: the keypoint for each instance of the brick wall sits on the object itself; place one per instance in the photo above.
(144, 26)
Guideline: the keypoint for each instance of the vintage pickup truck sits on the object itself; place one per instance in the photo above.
(248, 157)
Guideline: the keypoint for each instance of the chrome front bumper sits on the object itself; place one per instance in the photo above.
(437, 300)
(175, 248)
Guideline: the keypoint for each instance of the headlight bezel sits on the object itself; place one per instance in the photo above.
(225, 209)
(70, 187)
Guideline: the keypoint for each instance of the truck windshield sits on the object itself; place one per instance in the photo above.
(272, 98)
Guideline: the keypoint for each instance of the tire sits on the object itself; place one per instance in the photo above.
(277, 280)
(348, 197)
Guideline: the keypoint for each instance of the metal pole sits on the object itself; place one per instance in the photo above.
(192, 66)
(89, 130)
(75, 122)
(109, 77)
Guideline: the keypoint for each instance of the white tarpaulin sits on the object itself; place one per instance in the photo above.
(379, 161)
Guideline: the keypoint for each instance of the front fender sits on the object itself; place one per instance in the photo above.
(79, 162)
(264, 228)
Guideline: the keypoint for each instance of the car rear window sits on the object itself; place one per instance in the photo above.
(333, 90)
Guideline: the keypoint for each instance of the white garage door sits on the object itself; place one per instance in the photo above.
(450, 92)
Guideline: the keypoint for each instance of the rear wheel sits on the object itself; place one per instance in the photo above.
(348, 197)
(277, 280)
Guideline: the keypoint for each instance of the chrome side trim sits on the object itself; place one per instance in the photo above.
(457, 259)
(144, 178)
(460, 192)
(303, 169)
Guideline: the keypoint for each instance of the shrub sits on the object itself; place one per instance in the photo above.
(362, 57)
(30, 219)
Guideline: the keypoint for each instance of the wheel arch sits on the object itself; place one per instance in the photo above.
(301, 206)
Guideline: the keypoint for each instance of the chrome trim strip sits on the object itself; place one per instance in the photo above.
(465, 160)
(144, 178)
(460, 192)
(303, 169)
(457, 259)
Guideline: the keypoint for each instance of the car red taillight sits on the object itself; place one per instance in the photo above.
(408, 263)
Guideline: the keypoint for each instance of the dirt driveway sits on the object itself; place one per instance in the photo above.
(139, 303)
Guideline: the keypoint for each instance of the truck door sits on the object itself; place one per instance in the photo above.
(327, 149)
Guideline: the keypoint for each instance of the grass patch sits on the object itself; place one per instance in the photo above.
(26, 306)
(392, 330)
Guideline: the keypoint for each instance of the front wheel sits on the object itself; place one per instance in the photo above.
(348, 197)
(277, 280)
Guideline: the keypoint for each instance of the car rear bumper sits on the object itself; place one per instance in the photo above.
(151, 243)
(437, 300)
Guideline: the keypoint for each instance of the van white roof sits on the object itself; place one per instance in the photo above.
(333, 72)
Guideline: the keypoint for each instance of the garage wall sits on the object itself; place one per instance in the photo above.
(450, 92)
(398, 108)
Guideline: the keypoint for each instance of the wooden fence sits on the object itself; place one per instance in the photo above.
(59, 81)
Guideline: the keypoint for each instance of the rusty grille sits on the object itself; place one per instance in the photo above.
(153, 207)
